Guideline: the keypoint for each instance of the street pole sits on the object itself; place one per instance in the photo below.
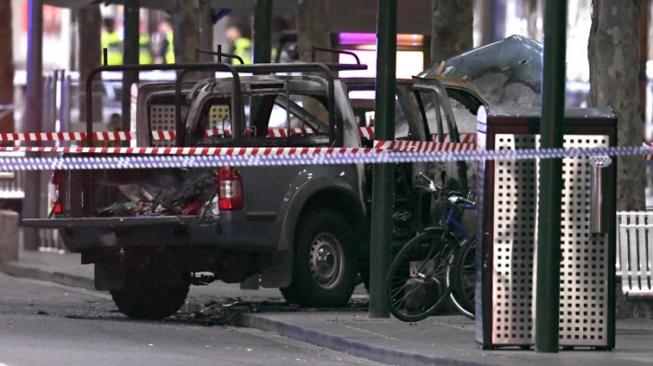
(262, 42)
(262, 54)
(547, 286)
(33, 114)
(263, 31)
(131, 52)
(383, 174)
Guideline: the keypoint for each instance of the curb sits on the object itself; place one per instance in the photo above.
(16, 270)
(354, 348)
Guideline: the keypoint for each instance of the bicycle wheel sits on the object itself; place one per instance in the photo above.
(462, 277)
(416, 283)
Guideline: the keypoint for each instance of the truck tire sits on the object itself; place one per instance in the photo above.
(142, 298)
(324, 262)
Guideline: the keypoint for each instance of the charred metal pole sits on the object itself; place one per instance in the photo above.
(33, 114)
(547, 284)
(131, 53)
(383, 178)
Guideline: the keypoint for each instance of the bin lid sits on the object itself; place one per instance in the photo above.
(535, 112)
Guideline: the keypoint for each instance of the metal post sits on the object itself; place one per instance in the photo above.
(547, 286)
(263, 31)
(33, 113)
(131, 52)
(262, 55)
(383, 179)
(262, 42)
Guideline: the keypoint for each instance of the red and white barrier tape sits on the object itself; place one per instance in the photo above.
(398, 146)
(379, 146)
(158, 135)
(315, 156)
(65, 136)
(207, 151)
(169, 135)
(424, 146)
(648, 156)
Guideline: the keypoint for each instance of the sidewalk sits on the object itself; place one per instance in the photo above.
(439, 340)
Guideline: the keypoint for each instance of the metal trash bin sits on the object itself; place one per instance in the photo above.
(507, 228)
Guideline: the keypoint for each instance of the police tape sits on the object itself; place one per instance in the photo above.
(396, 146)
(303, 156)
(366, 133)
(157, 135)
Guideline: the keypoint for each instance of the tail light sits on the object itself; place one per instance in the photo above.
(230, 189)
(57, 183)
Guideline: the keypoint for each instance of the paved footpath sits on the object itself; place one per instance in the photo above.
(439, 340)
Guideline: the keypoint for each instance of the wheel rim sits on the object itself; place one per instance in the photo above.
(468, 275)
(415, 283)
(326, 260)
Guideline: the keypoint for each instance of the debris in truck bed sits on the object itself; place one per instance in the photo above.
(186, 197)
(117, 209)
(198, 186)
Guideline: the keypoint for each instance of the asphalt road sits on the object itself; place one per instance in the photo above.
(47, 324)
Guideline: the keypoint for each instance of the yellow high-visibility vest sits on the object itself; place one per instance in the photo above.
(170, 52)
(144, 54)
(243, 48)
(113, 44)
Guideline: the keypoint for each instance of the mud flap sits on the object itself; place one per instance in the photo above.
(109, 276)
(277, 272)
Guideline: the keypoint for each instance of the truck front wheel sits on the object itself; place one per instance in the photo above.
(324, 262)
(145, 298)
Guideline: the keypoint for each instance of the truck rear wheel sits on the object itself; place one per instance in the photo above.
(324, 262)
(143, 298)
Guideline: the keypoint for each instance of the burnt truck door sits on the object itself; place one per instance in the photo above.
(440, 124)
(408, 127)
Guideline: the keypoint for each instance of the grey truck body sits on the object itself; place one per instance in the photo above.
(261, 237)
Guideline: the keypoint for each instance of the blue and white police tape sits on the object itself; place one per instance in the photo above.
(374, 157)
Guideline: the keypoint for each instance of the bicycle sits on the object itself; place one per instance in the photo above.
(438, 263)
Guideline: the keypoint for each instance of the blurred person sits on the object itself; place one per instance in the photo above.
(240, 46)
(144, 46)
(163, 44)
(112, 41)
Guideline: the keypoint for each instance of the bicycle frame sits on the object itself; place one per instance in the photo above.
(453, 224)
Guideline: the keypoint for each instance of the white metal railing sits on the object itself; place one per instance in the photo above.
(635, 253)
(11, 183)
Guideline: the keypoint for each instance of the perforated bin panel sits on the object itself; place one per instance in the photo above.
(584, 266)
(514, 229)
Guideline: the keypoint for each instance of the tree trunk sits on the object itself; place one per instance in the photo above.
(205, 31)
(6, 69)
(186, 25)
(89, 51)
(614, 71)
(453, 28)
(313, 29)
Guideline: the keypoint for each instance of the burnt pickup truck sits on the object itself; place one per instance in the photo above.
(303, 229)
